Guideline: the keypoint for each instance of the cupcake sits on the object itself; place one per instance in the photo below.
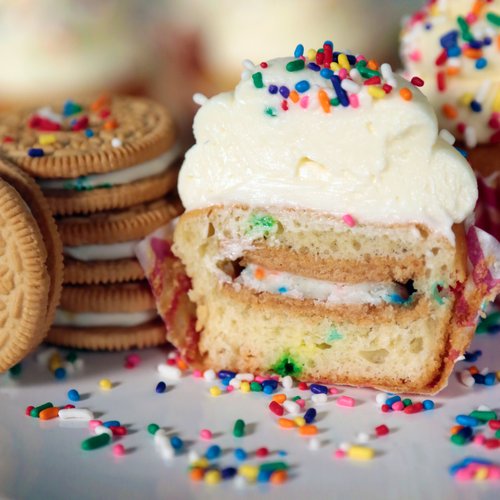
(324, 232)
(454, 46)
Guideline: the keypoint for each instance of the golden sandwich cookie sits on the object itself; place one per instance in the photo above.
(90, 156)
(99, 248)
(30, 268)
(33, 197)
(107, 317)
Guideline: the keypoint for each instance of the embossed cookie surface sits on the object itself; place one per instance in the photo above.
(116, 226)
(32, 195)
(107, 229)
(24, 279)
(96, 272)
(119, 301)
(86, 138)
(110, 339)
(123, 298)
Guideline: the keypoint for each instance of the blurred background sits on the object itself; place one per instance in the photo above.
(169, 49)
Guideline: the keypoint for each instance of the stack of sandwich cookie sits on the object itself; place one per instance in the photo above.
(30, 265)
(99, 248)
(107, 169)
(106, 301)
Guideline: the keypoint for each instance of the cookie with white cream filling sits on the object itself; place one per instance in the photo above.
(107, 317)
(100, 248)
(90, 156)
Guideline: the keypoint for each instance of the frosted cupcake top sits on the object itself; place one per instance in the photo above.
(330, 132)
(455, 46)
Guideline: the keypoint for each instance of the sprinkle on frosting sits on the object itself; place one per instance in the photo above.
(312, 129)
(199, 98)
(456, 46)
(347, 74)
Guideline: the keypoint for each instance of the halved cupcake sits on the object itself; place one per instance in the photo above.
(324, 229)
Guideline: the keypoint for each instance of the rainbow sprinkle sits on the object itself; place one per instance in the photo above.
(475, 469)
(474, 38)
(346, 77)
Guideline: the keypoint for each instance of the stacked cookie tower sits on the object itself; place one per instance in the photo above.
(106, 169)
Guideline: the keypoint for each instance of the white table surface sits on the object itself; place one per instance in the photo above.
(42, 460)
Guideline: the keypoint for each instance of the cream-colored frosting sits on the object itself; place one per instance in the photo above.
(299, 287)
(111, 251)
(127, 175)
(90, 319)
(420, 47)
(382, 162)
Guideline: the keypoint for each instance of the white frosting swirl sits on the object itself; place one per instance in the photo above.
(421, 46)
(110, 251)
(127, 175)
(90, 319)
(382, 162)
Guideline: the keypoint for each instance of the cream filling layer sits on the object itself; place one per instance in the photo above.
(112, 251)
(127, 175)
(92, 319)
(299, 287)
